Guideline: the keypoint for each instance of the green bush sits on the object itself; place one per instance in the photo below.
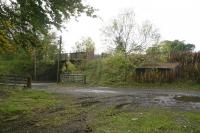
(69, 67)
(111, 69)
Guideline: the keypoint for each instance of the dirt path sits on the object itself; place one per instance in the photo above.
(124, 98)
(89, 102)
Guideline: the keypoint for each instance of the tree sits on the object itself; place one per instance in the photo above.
(5, 45)
(128, 36)
(153, 54)
(26, 22)
(162, 51)
(47, 52)
(176, 46)
(25, 62)
(85, 45)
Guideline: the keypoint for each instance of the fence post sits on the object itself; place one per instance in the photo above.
(28, 84)
(15, 80)
(84, 79)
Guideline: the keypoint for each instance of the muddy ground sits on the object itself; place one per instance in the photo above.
(122, 99)
(127, 98)
(92, 99)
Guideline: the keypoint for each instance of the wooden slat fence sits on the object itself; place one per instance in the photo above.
(154, 77)
(15, 80)
(189, 65)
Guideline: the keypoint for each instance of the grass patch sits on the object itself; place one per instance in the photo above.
(171, 86)
(28, 110)
(147, 121)
(188, 85)
(22, 101)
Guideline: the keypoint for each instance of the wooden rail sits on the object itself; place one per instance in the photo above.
(15, 80)
(73, 78)
(154, 77)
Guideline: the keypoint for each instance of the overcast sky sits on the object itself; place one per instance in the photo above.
(175, 19)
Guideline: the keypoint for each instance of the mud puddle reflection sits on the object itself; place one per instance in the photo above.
(188, 99)
(95, 91)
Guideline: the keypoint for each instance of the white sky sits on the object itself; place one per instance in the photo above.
(175, 19)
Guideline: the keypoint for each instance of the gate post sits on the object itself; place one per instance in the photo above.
(28, 84)
(84, 78)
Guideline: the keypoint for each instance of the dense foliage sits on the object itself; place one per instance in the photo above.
(27, 44)
(26, 22)
(115, 68)
(23, 63)
(161, 52)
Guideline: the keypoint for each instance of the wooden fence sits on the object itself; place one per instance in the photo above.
(156, 77)
(76, 78)
(188, 69)
(189, 65)
(15, 80)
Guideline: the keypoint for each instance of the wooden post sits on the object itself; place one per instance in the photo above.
(15, 80)
(35, 64)
(59, 56)
(28, 84)
(84, 79)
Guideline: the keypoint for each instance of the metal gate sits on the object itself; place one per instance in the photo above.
(76, 78)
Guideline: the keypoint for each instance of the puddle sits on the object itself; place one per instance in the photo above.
(187, 98)
(94, 91)
(164, 100)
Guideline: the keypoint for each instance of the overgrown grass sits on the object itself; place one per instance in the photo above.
(187, 86)
(99, 74)
(21, 108)
(147, 121)
(22, 101)
(179, 85)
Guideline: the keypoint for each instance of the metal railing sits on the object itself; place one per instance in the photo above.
(76, 78)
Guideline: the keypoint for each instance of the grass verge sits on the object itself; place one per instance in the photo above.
(170, 86)
(28, 110)
(154, 120)
(18, 100)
